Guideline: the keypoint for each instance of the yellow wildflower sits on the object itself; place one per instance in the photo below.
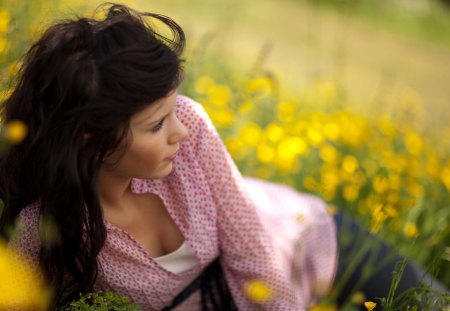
(251, 134)
(349, 164)
(370, 305)
(204, 84)
(21, 286)
(315, 137)
(411, 230)
(259, 85)
(5, 19)
(16, 131)
(265, 153)
(350, 193)
(413, 143)
(358, 298)
(258, 291)
(219, 95)
(328, 153)
(323, 307)
(274, 132)
(331, 131)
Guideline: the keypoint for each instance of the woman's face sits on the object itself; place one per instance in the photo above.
(154, 136)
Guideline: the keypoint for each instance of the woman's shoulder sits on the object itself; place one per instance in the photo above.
(192, 114)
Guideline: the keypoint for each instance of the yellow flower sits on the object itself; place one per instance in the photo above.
(219, 95)
(314, 136)
(21, 286)
(411, 230)
(349, 164)
(204, 84)
(331, 131)
(413, 143)
(328, 153)
(16, 131)
(5, 19)
(274, 132)
(350, 193)
(370, 305)
(358, 298)
(265, 153)
(258, 291)
(323, 307)
(251, 134)
(259, 85)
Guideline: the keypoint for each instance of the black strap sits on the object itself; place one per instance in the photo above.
(210, 279)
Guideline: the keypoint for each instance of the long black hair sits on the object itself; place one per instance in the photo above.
(84, 76)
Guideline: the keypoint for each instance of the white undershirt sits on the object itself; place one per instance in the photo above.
(180, 260)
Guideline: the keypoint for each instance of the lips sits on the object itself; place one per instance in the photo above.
(172, 157)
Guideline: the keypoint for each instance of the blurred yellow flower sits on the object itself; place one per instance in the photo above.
(314, 136)
(378, 217)
(16, 131)
(331, 131)
(445, 176)
(5, 19)
(219, 95)
(413, 143)
(258, 291)
(358, 298)
(370, 305)
(380, 183)
(274, 132)
(251, 134)
(326, 89)
(263, 86)
(21, 286)
(350, 193)
(323, 307)
(265, 153)
(286, 112)
(411, 230)
(204, 84)
(349, 164)
(328, 153)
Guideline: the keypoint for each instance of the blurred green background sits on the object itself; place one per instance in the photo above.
(348, 99)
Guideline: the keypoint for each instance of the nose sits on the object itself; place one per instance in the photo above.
(180, 132)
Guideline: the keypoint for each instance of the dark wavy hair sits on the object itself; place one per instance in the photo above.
(84, 76)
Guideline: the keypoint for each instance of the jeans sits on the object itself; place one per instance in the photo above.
(373, 264)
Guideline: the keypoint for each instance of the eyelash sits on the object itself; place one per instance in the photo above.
(158, 126)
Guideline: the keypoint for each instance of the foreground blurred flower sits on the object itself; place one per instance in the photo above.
(370, 305)
(323, 307)
(257, 291)
(21, 286)
(16, 131)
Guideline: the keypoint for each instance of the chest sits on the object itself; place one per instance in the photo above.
(150, 224)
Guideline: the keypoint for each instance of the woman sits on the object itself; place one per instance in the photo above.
(145, 198)
(129, 172)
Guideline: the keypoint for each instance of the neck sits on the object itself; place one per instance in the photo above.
(113, 189)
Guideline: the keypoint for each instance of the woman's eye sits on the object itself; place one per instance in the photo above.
(158, 126)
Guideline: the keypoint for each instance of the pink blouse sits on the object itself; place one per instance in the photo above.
(260, 230)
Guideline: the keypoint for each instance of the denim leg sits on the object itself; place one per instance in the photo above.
(372, 262)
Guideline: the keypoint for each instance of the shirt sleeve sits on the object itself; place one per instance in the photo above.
(247, 252)
(25, 239)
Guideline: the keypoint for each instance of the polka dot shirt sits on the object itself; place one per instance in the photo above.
(260, 231)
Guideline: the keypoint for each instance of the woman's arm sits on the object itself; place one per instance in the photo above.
(247, 252)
